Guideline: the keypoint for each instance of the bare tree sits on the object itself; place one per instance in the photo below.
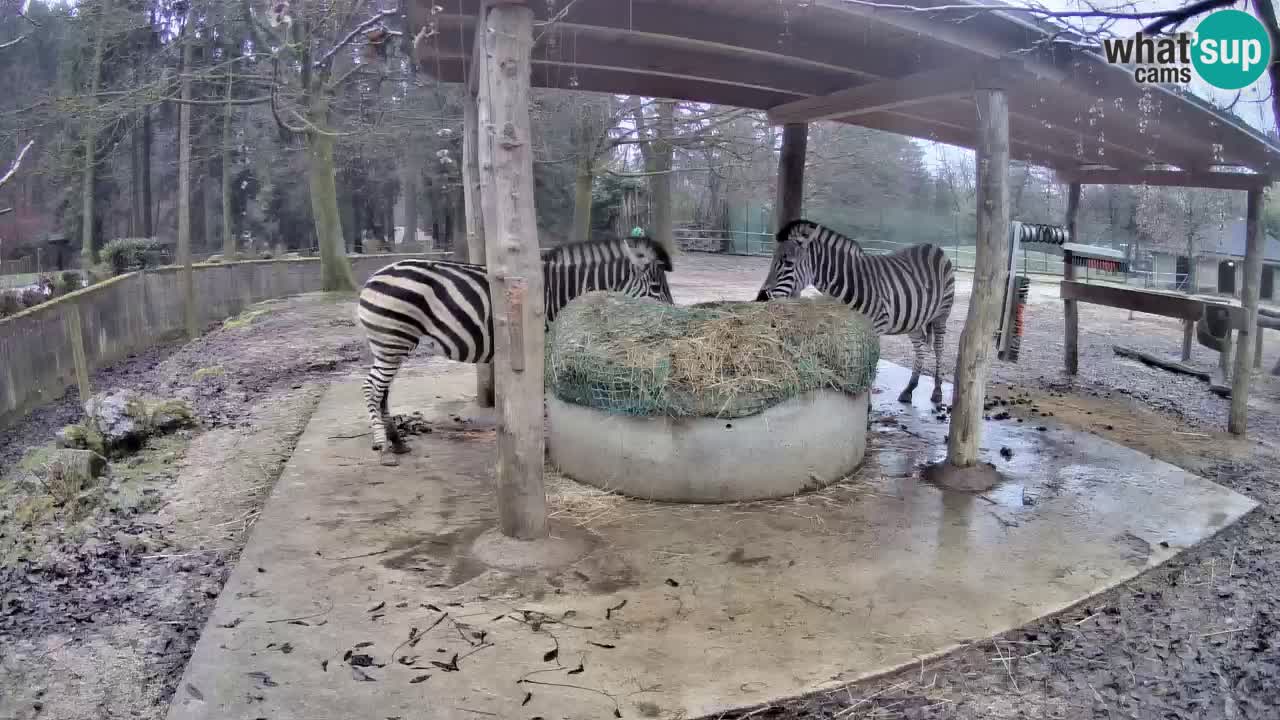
(1179, 219)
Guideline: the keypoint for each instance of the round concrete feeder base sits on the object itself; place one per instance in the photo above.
(802, 444)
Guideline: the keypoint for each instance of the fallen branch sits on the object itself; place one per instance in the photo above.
(1152, 360)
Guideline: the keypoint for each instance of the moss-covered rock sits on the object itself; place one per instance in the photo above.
(82, 437)
(170, 415)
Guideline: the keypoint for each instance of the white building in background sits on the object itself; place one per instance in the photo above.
(423, 240)
(1219, 263)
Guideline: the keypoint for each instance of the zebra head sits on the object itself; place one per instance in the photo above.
(652, 263)
(792, 268)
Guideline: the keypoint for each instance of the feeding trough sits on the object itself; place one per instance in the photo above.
(718, 402)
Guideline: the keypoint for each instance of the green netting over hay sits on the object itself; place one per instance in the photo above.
(642, 357)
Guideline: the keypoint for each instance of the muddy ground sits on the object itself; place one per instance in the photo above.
(99, 607)
(100, 618)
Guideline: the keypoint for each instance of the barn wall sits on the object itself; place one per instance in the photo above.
(131, 313)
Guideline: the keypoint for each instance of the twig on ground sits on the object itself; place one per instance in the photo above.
(326, 611)
(1007, 668)
(384, 551)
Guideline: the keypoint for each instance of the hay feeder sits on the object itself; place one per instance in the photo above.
(718, 402)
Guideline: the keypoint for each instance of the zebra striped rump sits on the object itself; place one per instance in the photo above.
(448, 305)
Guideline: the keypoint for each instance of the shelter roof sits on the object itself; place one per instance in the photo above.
(907, 71)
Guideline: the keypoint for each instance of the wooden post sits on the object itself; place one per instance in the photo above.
(1188, 331)
(1070, 311)
(75, 335)
(475, 224)
(1249, 299)
(515, 268)
(795, 144)
(973, 360)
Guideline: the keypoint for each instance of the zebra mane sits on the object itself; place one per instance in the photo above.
(811, 228)
(614, 247)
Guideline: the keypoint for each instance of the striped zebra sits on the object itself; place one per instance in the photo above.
(909, 291)
(445, 306)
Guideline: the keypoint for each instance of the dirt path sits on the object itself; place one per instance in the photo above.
(98, 613)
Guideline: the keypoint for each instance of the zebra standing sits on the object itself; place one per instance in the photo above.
(909, 291)
(446, 305)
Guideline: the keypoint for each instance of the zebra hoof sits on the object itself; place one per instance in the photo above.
(399, 448)
(936, 398)
(387, 457)
(905, 397)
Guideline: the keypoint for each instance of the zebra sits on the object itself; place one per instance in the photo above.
(446, 305)
(909, 291)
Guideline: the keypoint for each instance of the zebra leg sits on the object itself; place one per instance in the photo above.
(377, 387)
(398, 445)
(939, 332)
(917, 344)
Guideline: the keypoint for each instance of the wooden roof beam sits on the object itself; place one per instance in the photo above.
(1167, 178)
(890, 93)
(936, 130)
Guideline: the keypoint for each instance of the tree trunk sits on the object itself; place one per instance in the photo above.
(660, 184)
(515, 268)
(1243, 371)
(228, 227)
(790, 202)
(184, 187)
(588, 135)
(88, 248)
(409, 181)
(137, 209)
(973, 360)
(148, 211)
(1070, 311)
(335, 269)
(475, 225)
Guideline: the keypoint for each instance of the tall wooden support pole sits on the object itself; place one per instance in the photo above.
(515, 268)
(1243, 371)
(475, 225)
(1071, 338)
(795, 144)
(973, 360)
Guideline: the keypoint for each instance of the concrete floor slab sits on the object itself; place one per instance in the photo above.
(653, 610)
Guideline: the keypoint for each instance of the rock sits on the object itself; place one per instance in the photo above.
(118, 424)
(121, 418)
(170, 415)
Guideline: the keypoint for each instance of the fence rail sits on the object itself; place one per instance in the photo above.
(43, 346)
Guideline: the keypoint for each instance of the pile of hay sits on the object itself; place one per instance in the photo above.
(726, 360)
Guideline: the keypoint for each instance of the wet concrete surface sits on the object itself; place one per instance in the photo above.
(663, 610)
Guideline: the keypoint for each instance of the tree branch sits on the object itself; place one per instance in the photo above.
(17, 163)
(362, 27)
(1178, 17)
(275, 108)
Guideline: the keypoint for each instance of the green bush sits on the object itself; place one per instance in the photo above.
(10, 304)
(71, 281)
(128, 254)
